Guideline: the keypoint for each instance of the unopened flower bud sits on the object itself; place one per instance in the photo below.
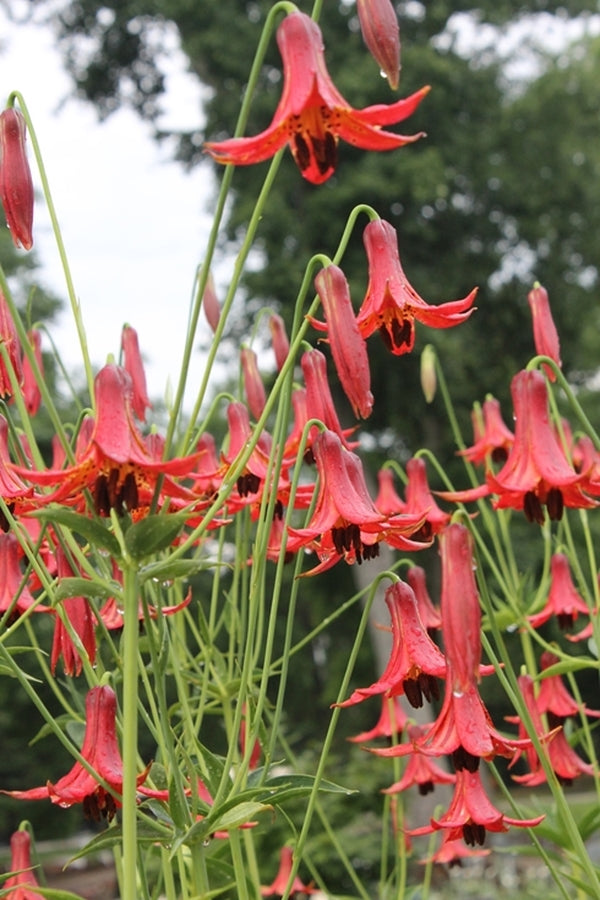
(16, 184)
(545, 335)
(281, 344)
(133, 363)
(381, 34)
(253, 385)
(428, 373)
(210, 302)
(348, 348)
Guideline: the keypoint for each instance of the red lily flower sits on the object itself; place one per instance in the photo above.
(421, 771)
(391, 304)
(133, 363)
(554, 698)
(537, 472)
(430, 615)
(319, 402)
(312, 114)
(452, 851)
(391, 722)
(116, 466)
(563, 601)
(346, 523)
(348, 348)
(381, 34)
(20, 862)
(279, 884)
(388, 501)
(9, 337)
(13, 490)
(419, 499)
(565, 762)
(415, 662)
(252, 480)
(463, 727)
(16, 184)
(545, 335)
(101, 750)
(80, 615)
(14, 593)
(471, 813)
(493, 440)
(31, 391)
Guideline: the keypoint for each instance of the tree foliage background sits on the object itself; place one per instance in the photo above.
(504, 190)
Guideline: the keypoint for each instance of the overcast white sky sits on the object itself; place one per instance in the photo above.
(134, 223)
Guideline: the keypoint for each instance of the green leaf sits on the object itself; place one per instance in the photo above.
(287, 787)
(212, 768)
(84, 587)
(239, 814)
(170, 569)
(153, 533)
(93, 530)
(112, 837)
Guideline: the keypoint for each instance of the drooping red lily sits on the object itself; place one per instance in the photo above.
(348, 347)
(391, 304)
(319, 401)
(451, 852)
(463, 728)
(564, 601)
(16, 184)
(346, 523)
(420, 500)
(20, 862)
(13, 489)
(31, 389)
(79, 613)
(312, 115)
(471, 813)
(554, 698)
(415, 662)
(545, 335)
(537, 472)
(565, 762)
(421, 771)
(117, 465)
(392, 721)
(278, 886)
(14, 592)
(430, 615)
(493, 440)
(388, 501)
(101, 750)
(10, 339)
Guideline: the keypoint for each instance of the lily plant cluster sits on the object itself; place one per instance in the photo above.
(165, 557)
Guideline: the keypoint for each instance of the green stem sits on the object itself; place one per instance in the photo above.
(130, 728)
